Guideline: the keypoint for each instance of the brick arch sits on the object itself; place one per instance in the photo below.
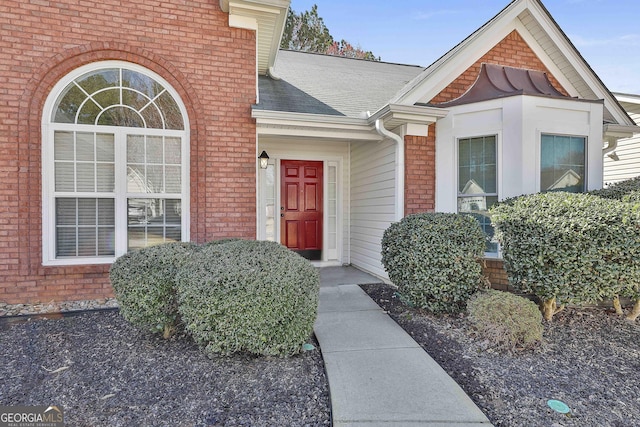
(30, 137)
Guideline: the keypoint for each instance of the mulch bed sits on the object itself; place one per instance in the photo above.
(590, 359)
(104, 372)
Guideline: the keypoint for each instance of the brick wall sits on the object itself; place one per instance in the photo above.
(494, 271)
(512, 51)
(420, 173)
(190, 45)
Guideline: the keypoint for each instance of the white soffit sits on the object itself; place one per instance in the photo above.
(267, 18)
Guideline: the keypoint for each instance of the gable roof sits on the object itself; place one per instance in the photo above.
(322, 84)
(541, 32)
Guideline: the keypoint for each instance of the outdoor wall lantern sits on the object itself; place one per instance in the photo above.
(264, 159)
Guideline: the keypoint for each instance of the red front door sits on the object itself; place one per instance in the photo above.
(301, 207)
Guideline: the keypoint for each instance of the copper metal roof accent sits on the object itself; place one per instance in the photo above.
(497, 81)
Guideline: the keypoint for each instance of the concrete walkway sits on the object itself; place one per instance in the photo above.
(378, 375)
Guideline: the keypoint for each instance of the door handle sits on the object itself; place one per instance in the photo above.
(281, 215)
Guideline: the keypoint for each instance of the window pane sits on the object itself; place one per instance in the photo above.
(562, 164)
(173, 179)
(64, 176)
(66, 242)
(121, 116)
(106, 241)
(141, 83)
(154, 149)
(173, 151)
(105, 147)
(66, 211)
(134, 99)
(136, 179)
(87, 240)
(78, 227)
(96, 80)
(63, 146)
(153, 221)
(68, 104)
(154, 179)
(86, 177)
(108, 97)
(170, 112)
(478, 206)
(88, 113)
(477, 171)
(105, 177)
(135, 149)
(85, 146)
(478, 182)
(87, 211)
(152, 117)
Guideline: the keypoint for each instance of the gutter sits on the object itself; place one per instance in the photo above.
(614, 132)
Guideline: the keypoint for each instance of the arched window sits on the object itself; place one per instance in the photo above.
(115, 164)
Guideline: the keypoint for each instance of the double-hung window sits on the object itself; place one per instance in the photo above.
(478, 182)
(562, 163)
(115, 165)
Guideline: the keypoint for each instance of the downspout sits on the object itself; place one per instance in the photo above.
(382, 131)
(612, 144)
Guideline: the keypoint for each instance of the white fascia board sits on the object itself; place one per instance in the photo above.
(627, 97)
(267, 18)
(313, 125)
(398, 114)
(620, 131)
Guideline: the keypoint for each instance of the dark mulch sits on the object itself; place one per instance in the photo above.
(590, 359)
(111, 374)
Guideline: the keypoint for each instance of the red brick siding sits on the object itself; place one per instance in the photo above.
(511, 51)
(420, 173)
(191, 46)
(494, 271)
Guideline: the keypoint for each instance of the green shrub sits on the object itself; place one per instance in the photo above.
(252, 296)
(505, 319)
(144, 284)
(568, 248)
(618, 190)
(432, 258)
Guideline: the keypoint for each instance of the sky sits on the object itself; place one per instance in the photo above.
(417, 32)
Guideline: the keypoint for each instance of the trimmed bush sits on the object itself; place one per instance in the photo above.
(618, 190)
(568, 248)
(144, 284)
(432, 258)
(251, 296)
(505, 319)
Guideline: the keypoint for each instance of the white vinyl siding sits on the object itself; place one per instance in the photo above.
(628, 153)
(372, 202)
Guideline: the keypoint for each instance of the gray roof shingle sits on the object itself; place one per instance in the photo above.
(322, 84)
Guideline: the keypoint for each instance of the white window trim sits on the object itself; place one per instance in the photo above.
(469, 135)
(48, 193)
(539, 134)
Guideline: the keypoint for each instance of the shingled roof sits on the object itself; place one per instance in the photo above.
(322, 84)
